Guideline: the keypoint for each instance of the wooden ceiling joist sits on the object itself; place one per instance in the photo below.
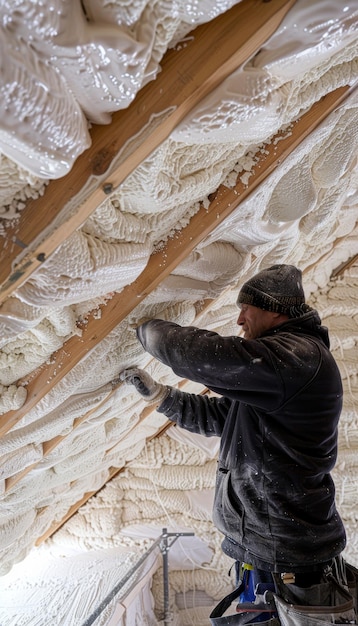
(162, 263)
(187, 75)
(339, 271)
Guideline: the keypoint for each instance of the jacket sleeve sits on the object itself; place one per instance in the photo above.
(196, 413)
(231, 366)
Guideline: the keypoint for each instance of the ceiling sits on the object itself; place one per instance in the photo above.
(153, 157)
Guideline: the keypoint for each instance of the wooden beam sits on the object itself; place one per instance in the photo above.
(161, 264)
(187, 75)
(339, 271)
(336, 244)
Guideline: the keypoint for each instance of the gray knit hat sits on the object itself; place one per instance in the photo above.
(278, 288)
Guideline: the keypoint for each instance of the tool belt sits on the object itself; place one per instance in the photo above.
(334, 600)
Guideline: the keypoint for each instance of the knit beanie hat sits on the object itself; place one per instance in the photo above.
(278, 289)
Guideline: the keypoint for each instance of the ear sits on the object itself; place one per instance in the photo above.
(278, 318)
(281, 317)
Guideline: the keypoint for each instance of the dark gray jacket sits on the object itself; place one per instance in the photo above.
(281, 397)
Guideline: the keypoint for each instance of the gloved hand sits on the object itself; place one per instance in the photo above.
(138, 322)
(151, 391)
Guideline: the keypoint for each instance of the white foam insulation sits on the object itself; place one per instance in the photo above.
(89, 475)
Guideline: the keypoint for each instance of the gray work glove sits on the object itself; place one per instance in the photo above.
(151, 391)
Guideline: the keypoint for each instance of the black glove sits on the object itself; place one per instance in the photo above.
(151, 391)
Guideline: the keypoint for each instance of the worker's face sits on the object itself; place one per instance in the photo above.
(255, 321)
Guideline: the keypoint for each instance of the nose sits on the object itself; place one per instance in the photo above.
(240, 319)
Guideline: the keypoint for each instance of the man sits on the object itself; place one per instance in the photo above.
(277, 415)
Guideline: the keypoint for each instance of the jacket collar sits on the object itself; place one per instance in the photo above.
(307, 324)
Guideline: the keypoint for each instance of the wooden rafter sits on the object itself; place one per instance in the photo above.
(344, 266)
(187, 75)
(339, 271)
(162, 263)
